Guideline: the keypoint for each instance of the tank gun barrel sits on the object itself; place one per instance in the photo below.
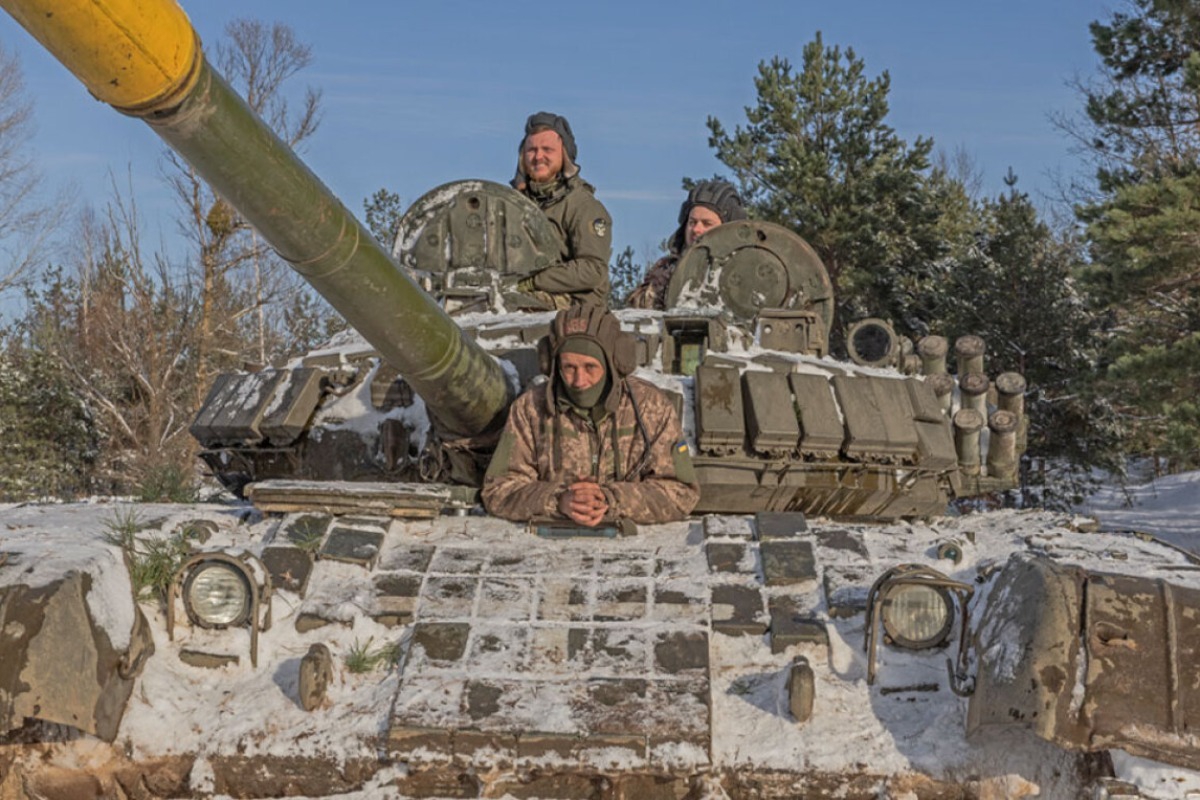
(144, 59)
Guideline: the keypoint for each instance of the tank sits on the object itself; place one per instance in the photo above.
(819, 628)
(774, 423)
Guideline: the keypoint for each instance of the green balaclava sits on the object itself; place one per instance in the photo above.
(586, 399)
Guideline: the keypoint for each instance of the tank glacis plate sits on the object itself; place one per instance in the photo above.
(667, 654)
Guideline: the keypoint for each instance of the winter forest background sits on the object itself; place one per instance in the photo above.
(1096, 300)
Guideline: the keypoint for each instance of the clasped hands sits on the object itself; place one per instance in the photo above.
(583, 502)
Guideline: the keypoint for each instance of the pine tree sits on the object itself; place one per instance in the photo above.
(49, 440)
(1141, 132)
(818, 156)
(625, 275)
(383, 212)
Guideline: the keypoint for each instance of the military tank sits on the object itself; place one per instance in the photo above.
(776, 645)
(774, 423)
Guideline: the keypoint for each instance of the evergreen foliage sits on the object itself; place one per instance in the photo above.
(625, 276)
(383, 212)
(1015, 288)
(153, 558)
(1142, 225)
(49, 441)
(818, 156)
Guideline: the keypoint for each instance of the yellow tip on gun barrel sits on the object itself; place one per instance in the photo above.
(139, 56)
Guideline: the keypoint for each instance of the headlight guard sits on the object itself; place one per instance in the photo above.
(220, 590)
(914, 605)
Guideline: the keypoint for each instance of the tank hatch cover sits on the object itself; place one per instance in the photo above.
(468, 233)
(746, 266)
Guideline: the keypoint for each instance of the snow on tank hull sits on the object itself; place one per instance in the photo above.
(730, 656)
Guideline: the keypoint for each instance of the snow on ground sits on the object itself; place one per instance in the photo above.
(1168, 507)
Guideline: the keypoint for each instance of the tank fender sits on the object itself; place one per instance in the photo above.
(1090, 660)
(59, 663)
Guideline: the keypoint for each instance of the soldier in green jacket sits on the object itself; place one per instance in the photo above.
(548, 175)
(592, 444)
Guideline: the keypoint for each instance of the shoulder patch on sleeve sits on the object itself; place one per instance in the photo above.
(600, 226)
(681, 457)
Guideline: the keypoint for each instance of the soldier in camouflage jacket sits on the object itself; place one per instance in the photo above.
(591, 444)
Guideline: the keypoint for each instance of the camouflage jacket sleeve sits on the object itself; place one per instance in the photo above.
(512, 488)
(652, 291)
(668, 489)
(587, 233)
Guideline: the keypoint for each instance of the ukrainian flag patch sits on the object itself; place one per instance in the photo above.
(681, 458)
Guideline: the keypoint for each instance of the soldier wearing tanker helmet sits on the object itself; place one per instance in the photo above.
(548, 174)
(708, 204)
(592, 444)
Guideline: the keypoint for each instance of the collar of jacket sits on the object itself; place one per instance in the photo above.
(550, 192)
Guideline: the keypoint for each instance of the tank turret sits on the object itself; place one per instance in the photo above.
(774, 423)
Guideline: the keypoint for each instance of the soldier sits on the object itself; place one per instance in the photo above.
(547, 174)
(591, 444)
(708, 204)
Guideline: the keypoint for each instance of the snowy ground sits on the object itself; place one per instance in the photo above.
(251, 711)
(1167, 507)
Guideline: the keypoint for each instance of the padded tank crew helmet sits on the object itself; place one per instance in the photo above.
(544, 120)
(596, 325)
(718, 196)
(556, 123)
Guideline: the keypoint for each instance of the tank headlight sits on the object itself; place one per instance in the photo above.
(914, 605)
(221, 590)
(917, 616)
(216, 595)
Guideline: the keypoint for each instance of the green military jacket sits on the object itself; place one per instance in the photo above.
(585, 241)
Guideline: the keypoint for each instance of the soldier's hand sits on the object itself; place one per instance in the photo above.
(584, 503)
(519, 283)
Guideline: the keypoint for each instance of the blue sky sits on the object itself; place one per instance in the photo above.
(418, 94)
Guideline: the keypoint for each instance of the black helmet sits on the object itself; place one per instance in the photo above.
(720, 196)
